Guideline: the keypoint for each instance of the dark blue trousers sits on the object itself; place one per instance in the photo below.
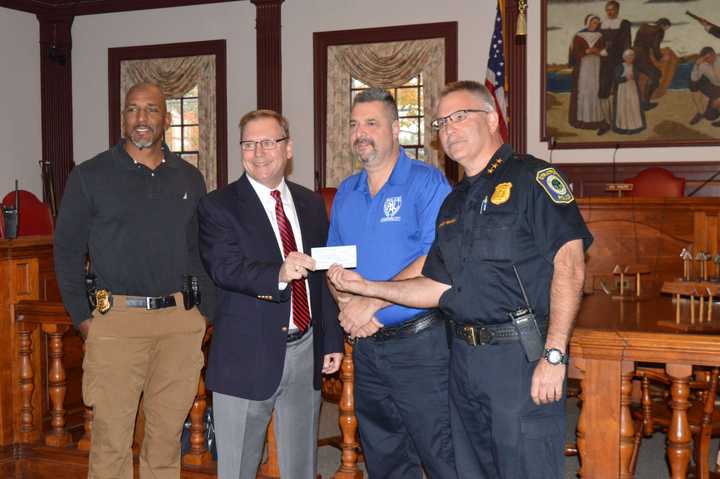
(498, 431)
(401, 401)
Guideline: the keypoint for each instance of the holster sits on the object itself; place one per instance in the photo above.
(530, 337)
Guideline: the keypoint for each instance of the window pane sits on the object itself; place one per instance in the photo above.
(193, 92)
(410, 152)
(190, 112)
(173, 138)
(192, 138)
(414, 81)
(422, 131)
(173, 106)
(421, 154)
(191, 158)
(358, 84)
(409, 131)
(407, 100)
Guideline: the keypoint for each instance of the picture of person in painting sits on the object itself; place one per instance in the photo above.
(647, 48)
(628, 118)
(705, 87)
(616, 34)
(586, 51)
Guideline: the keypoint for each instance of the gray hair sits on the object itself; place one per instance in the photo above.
(470, 86)
(378, 94)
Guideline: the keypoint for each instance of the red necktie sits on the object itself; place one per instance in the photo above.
(300, 309)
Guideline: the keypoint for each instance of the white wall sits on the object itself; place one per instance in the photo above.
(539, 149)
(20, 124)
(94, 34)
(303, 17)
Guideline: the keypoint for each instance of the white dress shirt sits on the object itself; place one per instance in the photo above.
(268, 203)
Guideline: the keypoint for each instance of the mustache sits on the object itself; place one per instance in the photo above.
(364, 141)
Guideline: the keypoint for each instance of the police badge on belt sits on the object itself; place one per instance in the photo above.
(99, 299)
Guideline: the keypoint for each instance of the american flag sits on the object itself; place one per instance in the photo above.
(495, 76)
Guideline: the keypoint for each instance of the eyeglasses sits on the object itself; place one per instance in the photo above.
(439, 123)
(250, 145)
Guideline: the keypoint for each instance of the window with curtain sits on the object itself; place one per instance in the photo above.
(183, 135)
(411, 115)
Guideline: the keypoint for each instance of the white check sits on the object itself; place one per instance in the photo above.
(345, 256)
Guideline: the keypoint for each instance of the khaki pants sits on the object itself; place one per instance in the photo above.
(130, 351)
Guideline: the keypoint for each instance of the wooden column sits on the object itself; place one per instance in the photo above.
(26, 385)
(516, 55)
(56, 97)
(199, 453)
(627, 429)
(348, 421)
(269, 59)
(679, 437)
(57, 436)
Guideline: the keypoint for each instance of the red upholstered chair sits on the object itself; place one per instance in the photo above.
(656, 181)
(328, 195)
(34, 218)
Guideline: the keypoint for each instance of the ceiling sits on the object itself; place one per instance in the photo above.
(91, 7)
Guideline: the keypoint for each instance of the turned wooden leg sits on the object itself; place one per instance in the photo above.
(627, 428)
(679, 438)
(26, 374)
(198, 450)
(57, 436)
(581, 427)
(648, 424)
(348, 421)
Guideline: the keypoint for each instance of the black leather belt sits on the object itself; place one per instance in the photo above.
(295, 335)
(150, 302)
(411, 327)
(482, 334)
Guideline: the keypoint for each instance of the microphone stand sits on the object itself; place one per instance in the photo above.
(702, 185)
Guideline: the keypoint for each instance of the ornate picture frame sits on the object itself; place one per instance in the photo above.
(630, 73)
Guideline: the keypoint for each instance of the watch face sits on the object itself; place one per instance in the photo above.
(554, 356)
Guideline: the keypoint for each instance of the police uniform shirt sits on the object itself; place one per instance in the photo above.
(392, 229)
(519, 210)
(139, 226)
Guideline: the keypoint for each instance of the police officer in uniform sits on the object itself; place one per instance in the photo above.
(511, 221)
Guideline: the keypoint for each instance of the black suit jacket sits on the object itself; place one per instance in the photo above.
(240, 252)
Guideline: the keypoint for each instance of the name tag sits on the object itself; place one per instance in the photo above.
(345, 256)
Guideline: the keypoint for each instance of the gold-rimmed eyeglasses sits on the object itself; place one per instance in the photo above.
(269, 144)
(457, 116)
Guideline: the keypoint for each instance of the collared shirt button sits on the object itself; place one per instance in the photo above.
(284, 328)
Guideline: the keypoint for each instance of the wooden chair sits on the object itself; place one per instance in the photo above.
(655, 413)
(34, 217)
(658, 182)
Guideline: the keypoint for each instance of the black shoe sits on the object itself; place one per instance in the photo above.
(602, 130)
(649, 105)
(696, 119)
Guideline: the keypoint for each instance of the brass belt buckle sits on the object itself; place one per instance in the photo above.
(104, 301)
(470, 335)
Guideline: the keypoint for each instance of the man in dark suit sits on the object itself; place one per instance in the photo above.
(276, 326)
(647, 47)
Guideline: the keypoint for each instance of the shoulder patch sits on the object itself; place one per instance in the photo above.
(554, 186)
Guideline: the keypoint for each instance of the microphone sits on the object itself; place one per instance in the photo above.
(551, 145)
(702, 185)
(617, 147)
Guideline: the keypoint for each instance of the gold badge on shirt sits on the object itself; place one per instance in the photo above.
(501, 193)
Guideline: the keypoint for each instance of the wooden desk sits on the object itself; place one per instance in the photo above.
(610, 336)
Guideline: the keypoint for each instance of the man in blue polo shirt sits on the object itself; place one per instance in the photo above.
(401, 354)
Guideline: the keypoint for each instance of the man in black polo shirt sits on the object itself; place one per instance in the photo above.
(133, 210)
(511, 216)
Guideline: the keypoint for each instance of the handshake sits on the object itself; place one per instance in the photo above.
(357, 306)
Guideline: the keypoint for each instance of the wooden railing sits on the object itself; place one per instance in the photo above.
(38, 323)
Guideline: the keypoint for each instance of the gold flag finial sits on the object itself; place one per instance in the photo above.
(521, 27)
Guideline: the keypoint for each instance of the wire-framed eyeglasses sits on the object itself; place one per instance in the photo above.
(269, 144)
(457, 116)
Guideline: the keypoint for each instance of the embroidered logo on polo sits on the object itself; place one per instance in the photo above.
(391, 208)
(554, 186)
(501, 193)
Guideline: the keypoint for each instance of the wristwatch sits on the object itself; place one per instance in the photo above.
(554, 356)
